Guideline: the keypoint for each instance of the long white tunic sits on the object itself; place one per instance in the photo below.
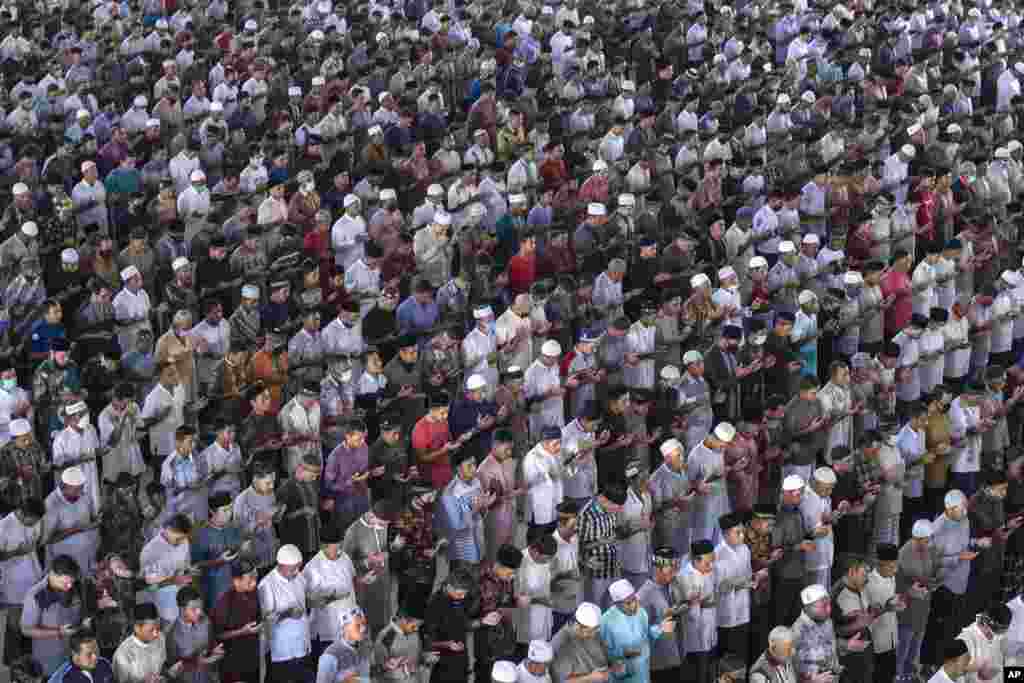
(703, 463)
(813, 508)
(635, 550)
(549, 412)
(70, 445)
(18, 574)
(161, 434)
(289, 637)
(640, 340)
(126, 454)
(701, 621)
(329, 577)
(543, 474)
(160, 558)
(534, 580)
(129, 306)
(506, 327)
(62, 515)
(985, 653)
(732, 569)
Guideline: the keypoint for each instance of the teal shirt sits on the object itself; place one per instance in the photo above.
(621, 633)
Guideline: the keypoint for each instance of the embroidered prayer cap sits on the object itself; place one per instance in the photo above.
(812, 594)
(621, 590)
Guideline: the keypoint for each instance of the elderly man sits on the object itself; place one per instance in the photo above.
(534, 669)
(793, 537)
(76, 446)
(816, 651)
(695, 399)
(628, 634)
(70, 525)
(671, 497)
(661, 596)
(282, 596)
(816, 509)
(544, 391)
(706, 467)
(578, 651)
(543, 474)
(776, 664)
(918, 572)
(131, 308)
(608, 296)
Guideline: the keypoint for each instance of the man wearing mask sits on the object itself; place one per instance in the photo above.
(300, 425)
(76, 446)
(23, 463)
(724, 371)
(131, 308)
(705, 466)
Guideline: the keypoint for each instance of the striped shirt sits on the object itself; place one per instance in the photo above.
(599, 557)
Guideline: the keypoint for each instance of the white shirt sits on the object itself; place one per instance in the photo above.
(344, 238)
(289, 637)
(324, 576)
(543, 474)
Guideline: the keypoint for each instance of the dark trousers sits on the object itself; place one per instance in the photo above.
(291, 671)
(701, 667)
(913, 510)
(967, 482)
(672, 675)
(858, 667)
(786, 596)
(885, 666)
(934, 501)
(734, 640)
(535, 531)
(942, 621)
(558, 620)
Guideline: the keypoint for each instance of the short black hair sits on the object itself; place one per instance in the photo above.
(180, 523)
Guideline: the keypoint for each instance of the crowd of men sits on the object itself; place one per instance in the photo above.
(560, 342)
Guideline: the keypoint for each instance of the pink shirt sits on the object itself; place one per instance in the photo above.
(897, 316)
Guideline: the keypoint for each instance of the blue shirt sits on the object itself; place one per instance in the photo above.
(415, 317)
(43, 333)
(69, 673)
(209, 544)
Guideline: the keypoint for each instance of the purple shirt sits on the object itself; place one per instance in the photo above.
(342, 463)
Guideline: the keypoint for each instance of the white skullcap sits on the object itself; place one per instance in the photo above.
(388, 193)
(725, 432)
(30, 229)
(383, 96)
(216, 106)
(318, 81)
(69, 256)
(152, 123)
(197, 176)
(73, 476)
(482, 312)
(670, 372)
(435, 190)
(250, 292)
(588, 19)
(757, 262)
(955, 498)
(179, 263)
(726, 272)
(852, 277)
(627, 200)
(595, 209)
(1019, 67)
(289, 554)
(719, 59)
(808, 97)
(76, 408)
(812, 594)
(786, 247)
(475, 382)
(922, 529)
(811, 238)
(547, 9)
(350, 199)
(588, 614)
(86, 165)
(479, 133)
(162, 23)
(1011, 277)
(517, 199)
(20, 427)
(825, 475)
(442, 218)
(914, 129)
(700, 280)
(504, 672)
(620, 590)
(551, 348)
(82, 114)
(1013, 145)
(1002, 153)
(954, 129)
(128, 273)
(20, 188)
(294, 91)
(374, 130)
(793, 482)
(540, 652)
(670, 445)
(140, 101)
(317, 34)
(974, 13)
(600, 165)
(251, 25)
(908, 151)
(782, 99)
(806, 297)
(692, 356)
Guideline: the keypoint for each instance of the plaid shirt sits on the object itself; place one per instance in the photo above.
(760, 548)
(599, 555)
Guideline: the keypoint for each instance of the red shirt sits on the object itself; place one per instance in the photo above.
(427, 436)
(522, 271)
(897, 316)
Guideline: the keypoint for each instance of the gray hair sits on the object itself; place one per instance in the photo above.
(779, 635)
(617, 265)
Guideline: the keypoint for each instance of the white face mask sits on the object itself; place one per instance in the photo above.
(308, 187)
